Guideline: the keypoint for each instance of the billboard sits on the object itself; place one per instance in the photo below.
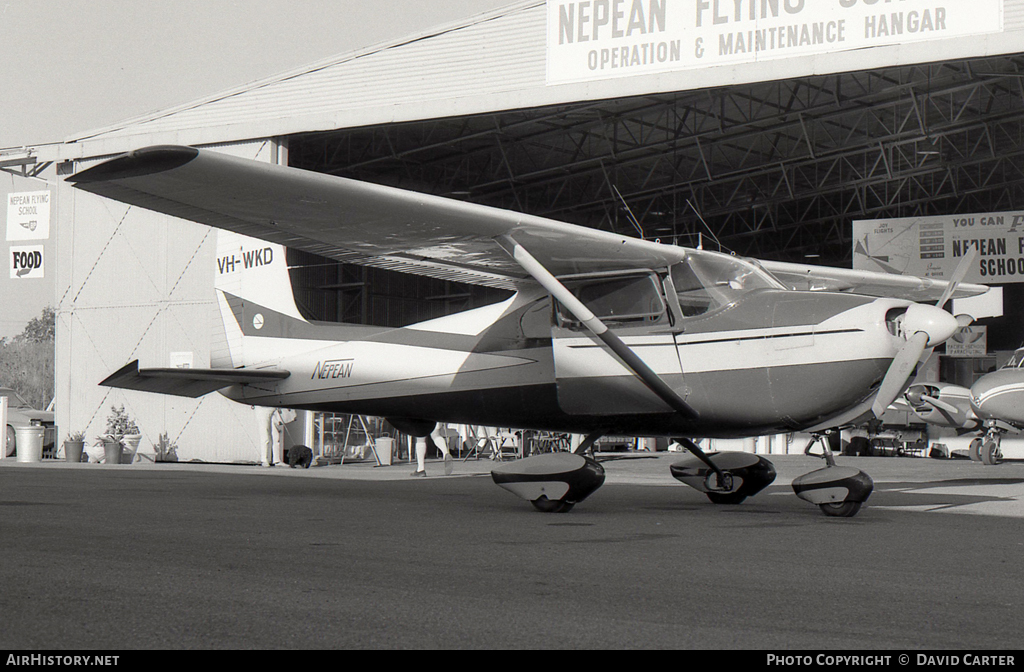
(931, 246)
(603, 39)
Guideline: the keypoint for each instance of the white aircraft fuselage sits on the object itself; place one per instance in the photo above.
(774, 361)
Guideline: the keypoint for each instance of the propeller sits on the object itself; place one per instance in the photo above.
(924, 326)
(925, 397)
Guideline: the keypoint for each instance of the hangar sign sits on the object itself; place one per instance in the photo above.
(931, 247)
(28, 215)
(604, 39)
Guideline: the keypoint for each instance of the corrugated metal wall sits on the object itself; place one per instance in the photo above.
(133, 284)
(497, 62)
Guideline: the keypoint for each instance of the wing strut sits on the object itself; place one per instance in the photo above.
(646, 375)
(632, 361)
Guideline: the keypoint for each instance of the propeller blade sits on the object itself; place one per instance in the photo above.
(964, 320)
(899, 372)
(941, 406)
(958, 275)
(948, 411)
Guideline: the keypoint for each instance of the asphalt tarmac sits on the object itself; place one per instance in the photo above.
(344, 557)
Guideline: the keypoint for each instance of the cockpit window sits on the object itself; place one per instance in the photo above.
(706, 281)
(1016, 361)
(619, 298)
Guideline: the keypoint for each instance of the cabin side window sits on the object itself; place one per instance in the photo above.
(694, 298)
(618, 299)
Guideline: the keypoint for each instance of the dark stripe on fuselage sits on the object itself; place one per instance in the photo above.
(734, 339)
(730, 403)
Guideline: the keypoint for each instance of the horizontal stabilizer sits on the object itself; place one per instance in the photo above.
(187, 382)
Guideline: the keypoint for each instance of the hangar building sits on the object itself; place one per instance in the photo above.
(763, 127)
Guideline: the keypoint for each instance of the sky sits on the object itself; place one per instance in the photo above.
(69, 66)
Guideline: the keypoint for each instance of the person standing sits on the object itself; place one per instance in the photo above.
(421, 452)
(270, 424)
(264, 429)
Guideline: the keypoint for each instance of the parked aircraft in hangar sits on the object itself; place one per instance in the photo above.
(991, 407)
(603, 333)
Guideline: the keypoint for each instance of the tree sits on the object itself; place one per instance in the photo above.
(27, 360)
(41, 329)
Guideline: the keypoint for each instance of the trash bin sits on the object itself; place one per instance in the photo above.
(30, 443)
(383, 447)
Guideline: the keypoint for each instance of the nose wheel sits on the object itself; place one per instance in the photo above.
(986, 449)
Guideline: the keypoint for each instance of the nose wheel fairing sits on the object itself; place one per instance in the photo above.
(838, 491)
(834, 485)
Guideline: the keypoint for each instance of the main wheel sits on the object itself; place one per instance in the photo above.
(841, 509)
(551, 505)
(11, 441)
(725, 497)
(974, 450)
(990, 452)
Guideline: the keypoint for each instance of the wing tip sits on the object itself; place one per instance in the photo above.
(146, 161)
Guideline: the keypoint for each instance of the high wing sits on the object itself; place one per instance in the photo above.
(358, 222)
(187, 382)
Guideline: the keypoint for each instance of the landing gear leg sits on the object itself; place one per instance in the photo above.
(838, 491)
(986, 449)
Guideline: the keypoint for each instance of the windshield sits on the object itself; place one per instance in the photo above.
(707, 281)
(14, 400)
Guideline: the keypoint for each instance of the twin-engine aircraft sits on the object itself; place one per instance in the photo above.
(992, 406)
(602, 334)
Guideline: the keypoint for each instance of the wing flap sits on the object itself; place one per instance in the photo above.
(187, 382)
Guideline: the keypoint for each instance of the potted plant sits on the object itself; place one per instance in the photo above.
(122, 433)
(73, 446)
(165, 449)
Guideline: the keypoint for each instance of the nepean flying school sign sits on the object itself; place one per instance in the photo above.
(603, 39)
(28, 219)
(931, 247)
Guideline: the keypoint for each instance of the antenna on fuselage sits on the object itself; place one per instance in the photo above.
(699, 237)
(629, 212)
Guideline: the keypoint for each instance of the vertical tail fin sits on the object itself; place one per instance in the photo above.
(254, 301)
